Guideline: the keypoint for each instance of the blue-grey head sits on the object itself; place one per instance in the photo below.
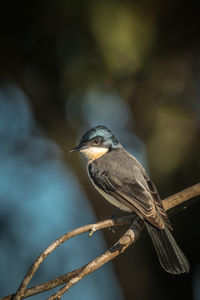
(96, 142)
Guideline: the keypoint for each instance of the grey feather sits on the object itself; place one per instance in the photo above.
(120, 175)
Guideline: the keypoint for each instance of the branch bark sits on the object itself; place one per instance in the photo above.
(120, 246)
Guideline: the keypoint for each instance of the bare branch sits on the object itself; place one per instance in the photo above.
(125, 241)
(182, 196)
(48, 285)
(60, 241)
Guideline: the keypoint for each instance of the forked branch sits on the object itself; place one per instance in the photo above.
(123, 243)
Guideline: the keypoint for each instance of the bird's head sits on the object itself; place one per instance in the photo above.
(96, 142)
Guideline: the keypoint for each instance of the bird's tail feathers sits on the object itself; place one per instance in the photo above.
(170, 255)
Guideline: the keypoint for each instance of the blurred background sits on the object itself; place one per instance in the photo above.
(66, 66)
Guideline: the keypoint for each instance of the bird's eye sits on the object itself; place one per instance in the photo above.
(97, 141)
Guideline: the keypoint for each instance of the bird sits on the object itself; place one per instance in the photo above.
(122, 180)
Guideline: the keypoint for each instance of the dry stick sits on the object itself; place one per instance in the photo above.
(48, 285)
(124, 242)
(181, 196)
(169, 203)
(91, 227)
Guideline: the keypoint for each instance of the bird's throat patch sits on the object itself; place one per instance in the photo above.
(93, 153)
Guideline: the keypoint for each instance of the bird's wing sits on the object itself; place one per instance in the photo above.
(138, 199)
(158, 201)
(132, 194)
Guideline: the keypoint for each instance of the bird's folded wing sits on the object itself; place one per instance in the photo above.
(158, 201)
(134, 196)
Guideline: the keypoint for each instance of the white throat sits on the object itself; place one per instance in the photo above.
(92, 153)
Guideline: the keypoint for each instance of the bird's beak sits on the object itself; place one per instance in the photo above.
(79, 148)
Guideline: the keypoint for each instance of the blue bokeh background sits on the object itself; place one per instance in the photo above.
(66, 66)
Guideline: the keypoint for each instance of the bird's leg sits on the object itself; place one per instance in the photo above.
(115, 213)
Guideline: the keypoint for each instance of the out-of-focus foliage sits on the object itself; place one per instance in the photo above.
(65, 66)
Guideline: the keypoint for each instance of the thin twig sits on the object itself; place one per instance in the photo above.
(48, 285)
(182, 196)
(169, 203)
(124, 242)
(61, 240)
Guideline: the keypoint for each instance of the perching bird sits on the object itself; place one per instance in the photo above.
(121, 179)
